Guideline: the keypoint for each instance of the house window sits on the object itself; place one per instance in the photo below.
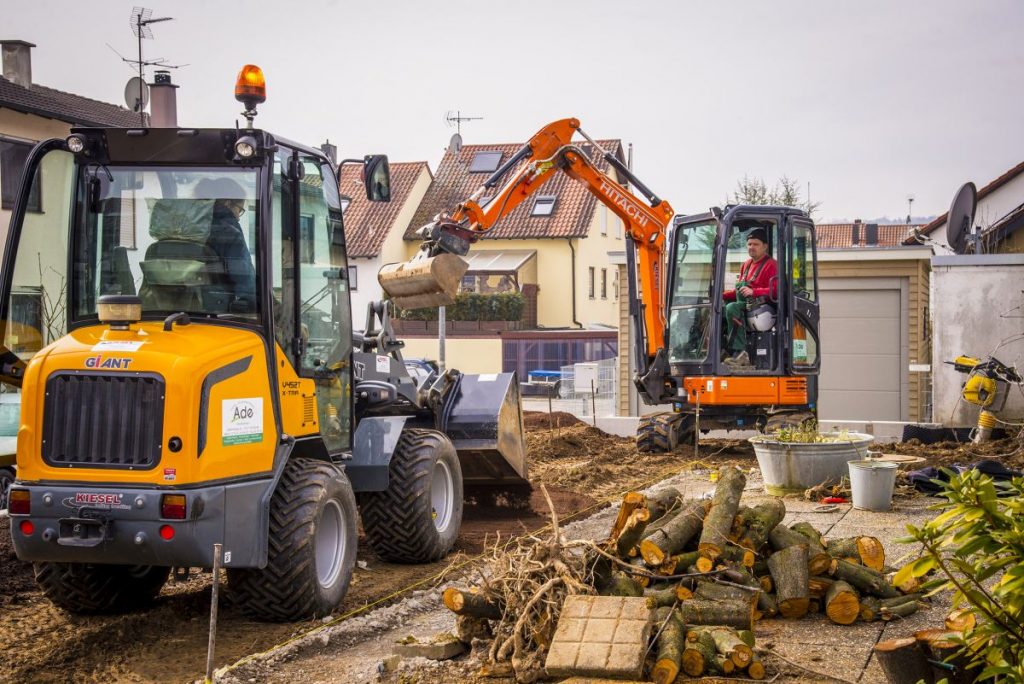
(544, 205)
(485, 162)
(590, 283)
(13, 156)
(604, 283)
(604, 220)
(307, 251)
(353, 278)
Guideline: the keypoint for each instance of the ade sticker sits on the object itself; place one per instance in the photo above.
(242, 421)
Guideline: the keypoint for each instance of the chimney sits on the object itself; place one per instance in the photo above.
(17, 58)
(871, 235)
(163, 105)
(331, 151)
(855, 233)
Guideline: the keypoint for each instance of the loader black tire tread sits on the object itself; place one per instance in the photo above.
(397, 522)
(288, 589)
(661, 433)
(96, 589)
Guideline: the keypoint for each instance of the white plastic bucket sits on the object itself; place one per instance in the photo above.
(872, 483)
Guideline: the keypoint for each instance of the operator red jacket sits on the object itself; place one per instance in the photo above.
(759, 275)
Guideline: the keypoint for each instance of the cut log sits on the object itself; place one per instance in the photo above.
(789, 573)
(682, 561)
(729, 644)
(730, 613)
(662, 502)
(870, 609)
(765, 602)
(683, 593)
(903, 661)
(747, 636)
(818, 586)
(842, 604)
(671, 537)
(718, 521)
(623, 585)
(699, 654)
(738, 555)
(471, 603)
(631, 501)
(716, 592)
(704, 564)
(865, 579)
(631, 533)
(767, 586)
(814, 606)
(468, 627)
(760, 520)
(809, 531)
(756, 669)
(783, 537)
(899, 610)
(659, 598)
(961, 620)
(671, 642)
(863, 550)
(723, 665)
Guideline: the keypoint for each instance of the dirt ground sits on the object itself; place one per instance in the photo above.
(583, 468)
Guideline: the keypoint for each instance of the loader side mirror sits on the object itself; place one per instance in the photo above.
(377, 178)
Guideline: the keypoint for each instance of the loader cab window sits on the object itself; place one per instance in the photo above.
(312, 315)
(193, 247)
(690, 303)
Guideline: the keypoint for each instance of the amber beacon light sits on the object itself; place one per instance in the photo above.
(250, 90)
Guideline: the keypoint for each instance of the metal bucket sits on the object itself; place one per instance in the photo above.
(872, 483)
(486, 428)
(422, 283)
(792, 467)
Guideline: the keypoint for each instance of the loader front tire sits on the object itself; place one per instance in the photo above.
(312, 547)
(417, 518)
(94, 589)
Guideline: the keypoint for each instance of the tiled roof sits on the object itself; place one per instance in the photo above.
(990, 188)
(453, 183)
(840, 235)
(368, 223)
(56, 104)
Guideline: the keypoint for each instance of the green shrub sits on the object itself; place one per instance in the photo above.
(975, 547)
(473, 306)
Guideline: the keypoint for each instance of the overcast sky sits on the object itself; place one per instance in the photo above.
(869, 101)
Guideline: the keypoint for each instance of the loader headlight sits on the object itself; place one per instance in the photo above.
(245, 147)
(75, 143)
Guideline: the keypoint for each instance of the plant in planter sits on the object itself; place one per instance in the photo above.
(794, 459)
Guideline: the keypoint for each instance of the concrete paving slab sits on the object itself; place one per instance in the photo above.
(600, 636)
(817, 629)
(837, 659)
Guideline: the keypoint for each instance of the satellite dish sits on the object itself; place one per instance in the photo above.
(455, 144)
(136, 94)
(960, 219)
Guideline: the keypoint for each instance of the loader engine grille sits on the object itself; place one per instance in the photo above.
(103, 420)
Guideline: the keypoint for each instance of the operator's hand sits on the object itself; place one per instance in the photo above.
(747, 291)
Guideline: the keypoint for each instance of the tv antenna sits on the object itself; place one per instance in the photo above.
(140, 19)
(457, 120)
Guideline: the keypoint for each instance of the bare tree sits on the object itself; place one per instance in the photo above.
(785, 192)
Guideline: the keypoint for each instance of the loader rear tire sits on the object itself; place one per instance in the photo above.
(661, 432)
(94, 589)
(417, 518)
(312, 547)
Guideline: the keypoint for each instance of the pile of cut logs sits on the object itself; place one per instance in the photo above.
(711, 568)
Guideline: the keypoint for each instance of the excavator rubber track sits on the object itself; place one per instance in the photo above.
(660, 433)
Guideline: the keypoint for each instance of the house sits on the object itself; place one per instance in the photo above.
(30, 112)
(374, 230)
(874, 326)
(553, 249)
(977, 299)
(999, 215)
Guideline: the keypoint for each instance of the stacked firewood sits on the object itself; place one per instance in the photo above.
(709, 569)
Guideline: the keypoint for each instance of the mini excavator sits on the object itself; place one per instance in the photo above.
(678, 353)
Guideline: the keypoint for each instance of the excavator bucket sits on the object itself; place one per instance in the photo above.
(423, 283)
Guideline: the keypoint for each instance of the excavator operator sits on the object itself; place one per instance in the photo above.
(756, 281)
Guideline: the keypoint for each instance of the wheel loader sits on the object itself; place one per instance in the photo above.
(680, 333)
(177, 319)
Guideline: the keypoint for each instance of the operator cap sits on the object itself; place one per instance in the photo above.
(758, 234)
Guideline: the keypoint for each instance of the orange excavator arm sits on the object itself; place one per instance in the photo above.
(550, 150)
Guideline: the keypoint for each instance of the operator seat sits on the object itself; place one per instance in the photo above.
(179, 271)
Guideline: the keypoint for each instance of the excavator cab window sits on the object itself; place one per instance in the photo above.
(690, 305)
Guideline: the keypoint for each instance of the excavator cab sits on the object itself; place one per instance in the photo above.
(743, 358)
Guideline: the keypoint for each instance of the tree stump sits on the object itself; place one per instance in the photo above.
(961, 620)
(789, 573)
(676, 533)
(903, 661)
(718, 521)
(941, 648)
(842, 604)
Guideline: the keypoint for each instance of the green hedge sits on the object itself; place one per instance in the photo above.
(471, 306)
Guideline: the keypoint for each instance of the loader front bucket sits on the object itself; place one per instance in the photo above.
(423, 283)
(486, 426)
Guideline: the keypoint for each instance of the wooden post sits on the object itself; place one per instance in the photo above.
(593, 401)
(214, 595)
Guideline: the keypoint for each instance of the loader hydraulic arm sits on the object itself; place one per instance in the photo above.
(551, 150)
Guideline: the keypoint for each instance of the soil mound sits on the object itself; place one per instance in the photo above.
(541, 420)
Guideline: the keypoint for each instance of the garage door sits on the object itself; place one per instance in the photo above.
(863, 347)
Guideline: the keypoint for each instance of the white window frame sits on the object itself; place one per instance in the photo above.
(544, 205)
